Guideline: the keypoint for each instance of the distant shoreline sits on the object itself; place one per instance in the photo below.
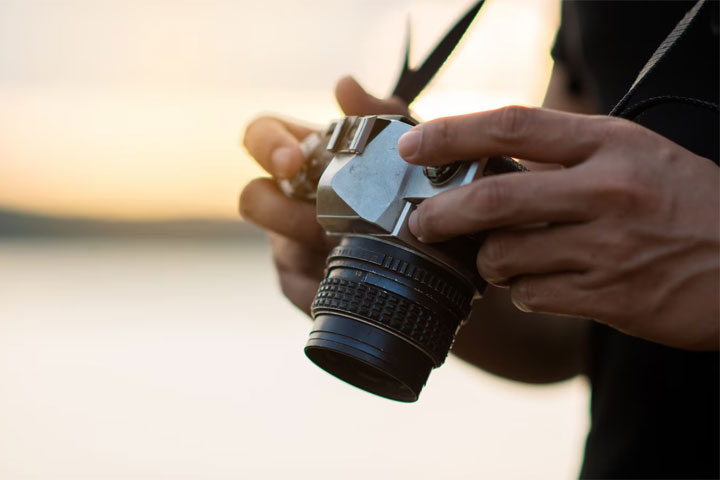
(23, 224)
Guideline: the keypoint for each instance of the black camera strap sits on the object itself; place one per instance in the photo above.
(412, 81)
(624, 110)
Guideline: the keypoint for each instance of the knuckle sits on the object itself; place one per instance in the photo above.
(248, 200)
(263, 136)
(615, 187)
(511, 123)
(427, 218)
(610, 129)
(618, 134)
(624, 189)
(612, 244)
(251, 131)
(442, 137)
(615, 132)
(488, 196)
(613, 252)
(668, 156)
(492, 260)
(524, 293)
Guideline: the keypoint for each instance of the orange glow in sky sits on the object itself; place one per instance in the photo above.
(115, 109)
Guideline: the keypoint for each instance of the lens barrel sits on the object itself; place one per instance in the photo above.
(385, 316)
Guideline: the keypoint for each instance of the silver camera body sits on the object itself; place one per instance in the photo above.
(364, 187)
(389, 307)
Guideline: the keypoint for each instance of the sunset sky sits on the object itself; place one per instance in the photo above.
(134, 109)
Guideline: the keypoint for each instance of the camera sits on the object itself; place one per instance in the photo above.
(389, 306)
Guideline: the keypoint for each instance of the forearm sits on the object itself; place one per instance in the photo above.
(526, 347)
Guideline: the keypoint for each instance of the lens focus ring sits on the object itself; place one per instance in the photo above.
(435, 283)
(397, 290)
(392, 311)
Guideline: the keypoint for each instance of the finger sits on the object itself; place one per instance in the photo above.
(293, 257)
(354, 100)
(263, 204)
(507, 254)
(275, 145)
(558, 293)
(509, 200)
(299, 289)
(299, 270)
(533, 134)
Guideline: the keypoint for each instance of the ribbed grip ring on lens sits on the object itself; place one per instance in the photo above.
(436, 283)
(397, 290)
(387, 309)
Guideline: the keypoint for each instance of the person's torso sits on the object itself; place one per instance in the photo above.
(654, 408)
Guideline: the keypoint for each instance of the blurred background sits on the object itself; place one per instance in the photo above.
(142, 334)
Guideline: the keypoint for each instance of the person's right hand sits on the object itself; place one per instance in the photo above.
(299, 245)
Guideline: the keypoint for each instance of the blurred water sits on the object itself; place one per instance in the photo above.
(181, 360)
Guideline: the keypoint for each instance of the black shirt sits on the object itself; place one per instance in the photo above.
(654, 408)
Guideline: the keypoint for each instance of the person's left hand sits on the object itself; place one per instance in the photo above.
(626, 234)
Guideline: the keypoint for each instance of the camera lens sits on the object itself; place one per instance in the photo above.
(385, 316)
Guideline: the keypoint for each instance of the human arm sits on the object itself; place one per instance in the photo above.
(499, 338)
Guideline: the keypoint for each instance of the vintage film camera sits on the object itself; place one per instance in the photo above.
(387, 311)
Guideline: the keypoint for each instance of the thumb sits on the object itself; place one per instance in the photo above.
(354, 100)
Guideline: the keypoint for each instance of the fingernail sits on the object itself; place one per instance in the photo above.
(409, 143)
(414, 225)
(499, 282)
(282, 162)
(522, 307)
